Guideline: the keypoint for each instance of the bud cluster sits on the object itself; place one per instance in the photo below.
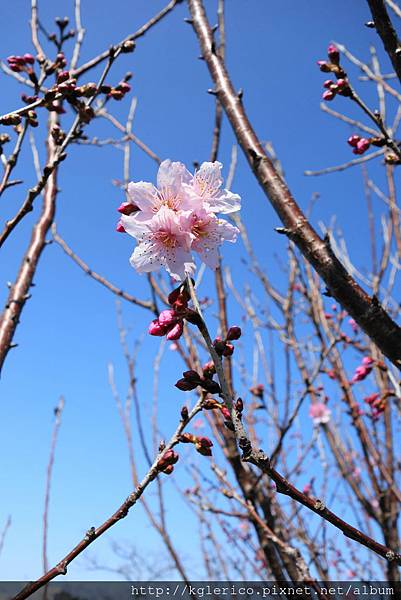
(202, 444)
(167, 461)
(118, 92)
(169, 323)
(361, 144)
(341, 85)
(191, 380)
(20, 64)
(224, 347)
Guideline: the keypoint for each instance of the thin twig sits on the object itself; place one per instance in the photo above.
(132, 37)
(80, 33)
(110, 286)
(57, 422)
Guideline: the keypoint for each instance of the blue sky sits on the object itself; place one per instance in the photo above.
(68, 332)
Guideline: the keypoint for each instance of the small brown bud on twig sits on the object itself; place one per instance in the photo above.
(128, 46)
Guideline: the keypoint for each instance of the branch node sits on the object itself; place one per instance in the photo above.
(90, 534)
(282, 230)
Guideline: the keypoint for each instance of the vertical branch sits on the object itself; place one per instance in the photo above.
(19, 291)
(35, 30)
(370, 316)
(80, 35)
(57, 422)
(386, 31)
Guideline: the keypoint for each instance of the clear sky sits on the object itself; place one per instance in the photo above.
(68, 332)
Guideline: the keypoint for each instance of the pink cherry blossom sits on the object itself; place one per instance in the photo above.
(206, 184)
(163, 242)
(178, 217)
(208, 233)
(319, 413)
(169, 191)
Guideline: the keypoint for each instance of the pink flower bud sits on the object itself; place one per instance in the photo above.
(328, 95)
(362, 146)
(342, 83)
(234, 333)
(367, 360)
(219, 346)
(209, 369)
(168, 317)
(28, 58)
(63, 76)
(127, 208)
(228, 350)
(353, 140)
(176, 331)
(156, 329)
(333, 54)
(15, 68)
(120, 227)
(124, 87)
(203, 445)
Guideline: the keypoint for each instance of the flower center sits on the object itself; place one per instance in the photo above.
(166, 238)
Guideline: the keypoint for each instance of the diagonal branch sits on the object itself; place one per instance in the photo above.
(385, 29)
(258, 458)
(366, 311)
(110, 286)
(95, 532)
(130, 38)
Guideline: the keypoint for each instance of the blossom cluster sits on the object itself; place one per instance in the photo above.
(177, 218)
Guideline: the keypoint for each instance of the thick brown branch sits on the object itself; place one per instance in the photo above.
(370, 316)
(19, 291)
(385, 29)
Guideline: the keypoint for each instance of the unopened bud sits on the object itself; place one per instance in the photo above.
(333, 54)
(211, 386)
(127, 208)
(185, 385)
(234, 333)
(63, 76)
(128, 46)
(228, 350)
(155, 328)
